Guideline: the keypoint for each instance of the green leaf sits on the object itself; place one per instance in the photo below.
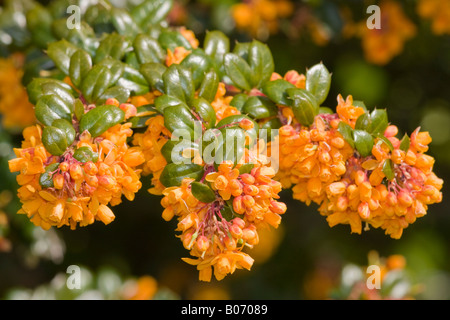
(117, 92)
(239, 101)
(100, 119)
(304, 105)
(50, 108)
(173, 174)
(153, 73)
(151, 12)
(276, 91)
(258, 107)
(273, 123)
(208, 87)
(115, 67)
(205, 111)
(246, 168)
(85, 154)
(164, 101)
(386, 141)
(325, 110)
(54, 140)
(67, 128)
(198, 63)
(318, 81)
(124, 23)
(238, 70)
(261, 63)
(361, 104)
(347, 133)
(404, 143)
(379, 122)
(61, 52)
(171, 39)
(216, 45)
(363, 142)
(178, 83)
(179, 118)
(80, 64)
(96, 82)
(148, 49)
(234, 120)
(46, 178)
(363, 122)
(113, 46)
(39, 87)
(78, 109)
(388, 169)
(202, 192)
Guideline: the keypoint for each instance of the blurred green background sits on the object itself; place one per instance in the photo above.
(305, 258)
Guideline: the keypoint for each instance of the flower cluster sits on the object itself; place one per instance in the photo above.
(63, 190)
(389, 187)
(213, 235)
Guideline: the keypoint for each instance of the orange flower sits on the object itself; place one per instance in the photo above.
(221, 104)
(438, 11)
(17, 112)
(260, 18)
(151, 142)
(381, 45)
(310, 159)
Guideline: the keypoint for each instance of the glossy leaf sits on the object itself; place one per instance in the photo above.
(46, 178)
(258, 107)
(61, 52)
(405, 143)
(85, 154)
(171, 39)
(50, 108)
(153, 73)
(202, 192)
(304, 105)
(148, 49)
(238, 70)
(100, 119)
(379, 122)
(96, 82)
(347, 133)
(179, 118)
(276, 91)
(208, 87)
(206, 112)
(113, 46)
(80, 64)
(363, 142)
(318, 81)
(173, 174)
(67, 128)
(178, 83)
(54, 140)
(261, 63)
(388, 169)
